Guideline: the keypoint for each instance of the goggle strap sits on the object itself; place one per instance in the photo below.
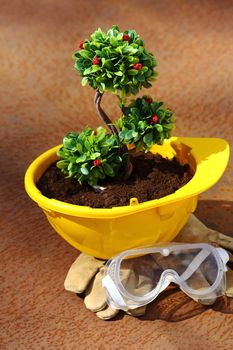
(194, 265)
(108, 283)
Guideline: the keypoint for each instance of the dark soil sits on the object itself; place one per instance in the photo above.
(153, 177)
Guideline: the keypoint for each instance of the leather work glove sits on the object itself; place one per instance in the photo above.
(86, 273)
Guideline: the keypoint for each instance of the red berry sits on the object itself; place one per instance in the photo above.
(137, 66)
(126, 37)
(97, 162)
(81, 45)
(96, 60)
(94, 132)
(154, 119)
(149, 100)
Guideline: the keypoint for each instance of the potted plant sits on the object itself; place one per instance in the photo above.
(118, 62)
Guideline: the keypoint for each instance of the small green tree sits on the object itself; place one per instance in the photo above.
(115, 62)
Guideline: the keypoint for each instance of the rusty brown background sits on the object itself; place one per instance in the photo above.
(41, 99)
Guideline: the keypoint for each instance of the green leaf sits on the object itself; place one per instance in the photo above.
(129, 50)
(135, 81)
(118, 73)
(98, 173)
(144, 69)
(62, 164)
(95, 155)
(139, 145)
(100, 134)
(104, 151)
(79, 147)
(113, 41)
(148, 138)
(70, 166)
(84, 170)
(81, 159)
(135, 112)
(161, 112)
(120, 36)
(133, 59)
(132, 72)
(146, 85)
(109, 142)
(141, 78)
(84, 81)
(87, 71)
(87, 145)
(98, 34)
(119, 50)
(159, 127)
(95, 68)
(122, 134)
(103, 86)
(122, 67)
(108, 64)
(168, 126)
(141, 125)
(108, 169)
(99, 53)
(86, 54)
(130, 134)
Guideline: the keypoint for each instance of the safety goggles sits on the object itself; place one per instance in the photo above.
(137, 276)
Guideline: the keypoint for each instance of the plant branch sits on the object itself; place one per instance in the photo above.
(103, 115)
(97, 101)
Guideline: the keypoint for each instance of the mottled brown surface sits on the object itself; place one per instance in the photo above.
(41, 100)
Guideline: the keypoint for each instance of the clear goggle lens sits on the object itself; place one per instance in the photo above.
(141, 273)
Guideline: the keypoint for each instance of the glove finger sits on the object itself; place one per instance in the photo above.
(95, 297)
(139, 311)
(221, 240)
(107, 313)
(81, 272)
(229, 289)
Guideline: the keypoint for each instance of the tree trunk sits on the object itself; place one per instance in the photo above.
(114, 131)
(103, 115)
